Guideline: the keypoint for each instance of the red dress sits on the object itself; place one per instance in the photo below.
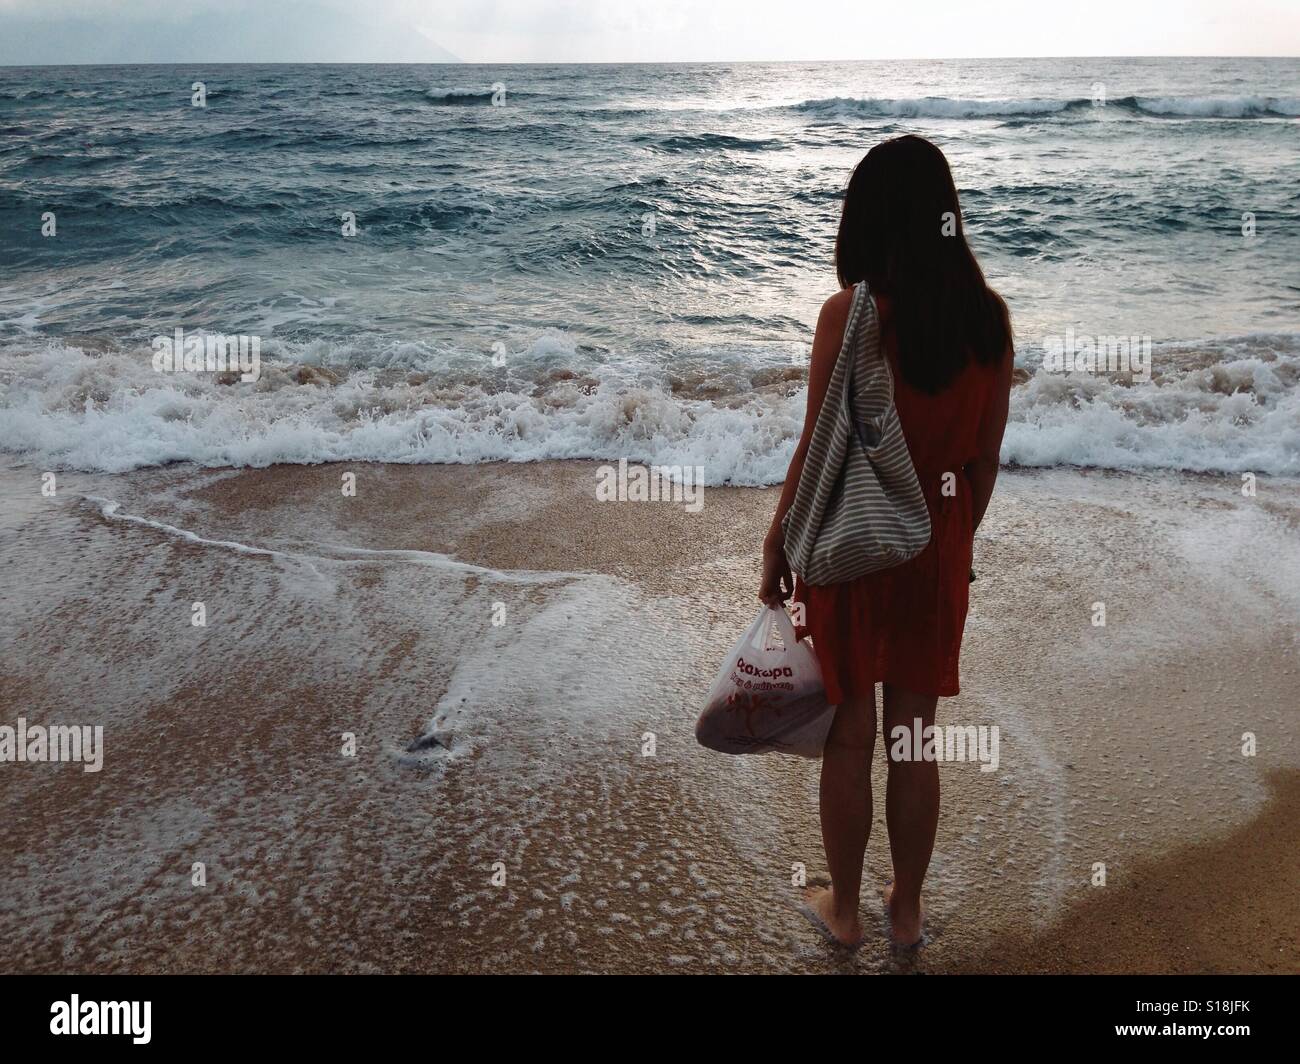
(904, 625)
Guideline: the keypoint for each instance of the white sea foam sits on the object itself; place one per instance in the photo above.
(1220, 106)
(327, 553)
(1223, 406)
(932, 107)
(1218, 407)
(1156, 106)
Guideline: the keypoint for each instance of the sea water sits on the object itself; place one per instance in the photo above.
(460, 263)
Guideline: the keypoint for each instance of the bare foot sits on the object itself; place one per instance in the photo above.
(905, 921)
(846, 930)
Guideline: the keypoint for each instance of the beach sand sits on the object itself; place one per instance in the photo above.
(521, 667)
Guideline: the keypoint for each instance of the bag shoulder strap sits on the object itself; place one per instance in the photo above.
(867, 362)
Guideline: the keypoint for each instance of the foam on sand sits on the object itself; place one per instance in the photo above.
(558, 746)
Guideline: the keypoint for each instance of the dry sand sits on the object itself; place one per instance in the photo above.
(373, 615)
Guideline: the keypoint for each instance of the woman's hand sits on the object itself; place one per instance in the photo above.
(778, 583)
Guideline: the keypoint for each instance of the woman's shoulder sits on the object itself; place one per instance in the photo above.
(836, 308)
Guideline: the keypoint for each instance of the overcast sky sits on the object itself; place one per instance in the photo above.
(50, 31)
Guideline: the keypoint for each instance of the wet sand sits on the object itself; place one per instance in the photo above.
(1228, 905)
(527, 795)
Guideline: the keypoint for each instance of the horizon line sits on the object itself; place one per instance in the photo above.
(620, 62)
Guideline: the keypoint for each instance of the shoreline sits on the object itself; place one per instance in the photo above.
(373, 616)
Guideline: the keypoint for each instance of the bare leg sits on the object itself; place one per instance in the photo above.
(911, 812)
(846, 815)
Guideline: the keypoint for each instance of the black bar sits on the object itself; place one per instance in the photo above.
(614, 1014)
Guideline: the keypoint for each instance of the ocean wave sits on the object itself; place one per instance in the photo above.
(1218, 406)
(932, 107)
(68, 407)
(1215, 106)
(458, 98)
(1155, 107)
(23, 95)
(684, 142)
(465, 97)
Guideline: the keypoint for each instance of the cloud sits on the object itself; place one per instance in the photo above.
(146, 31)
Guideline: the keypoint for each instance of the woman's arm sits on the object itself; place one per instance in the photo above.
(982, 473)
(777, 584)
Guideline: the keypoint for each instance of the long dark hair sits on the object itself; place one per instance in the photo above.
(901, 231)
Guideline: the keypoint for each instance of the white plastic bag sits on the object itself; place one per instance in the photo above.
(767, 698)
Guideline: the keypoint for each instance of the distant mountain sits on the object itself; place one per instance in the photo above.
(287, 33)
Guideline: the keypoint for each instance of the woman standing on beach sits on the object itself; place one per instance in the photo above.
(947, 338)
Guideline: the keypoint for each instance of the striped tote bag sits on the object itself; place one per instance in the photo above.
(858, 507)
